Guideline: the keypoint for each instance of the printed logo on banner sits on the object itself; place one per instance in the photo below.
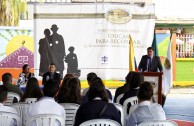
(104, 60)
(118, 16)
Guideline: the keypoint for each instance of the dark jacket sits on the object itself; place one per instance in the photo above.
(13, 88)
(155, 64)
(128, 94)
(121, 90)
(92, 109)
(47, 76)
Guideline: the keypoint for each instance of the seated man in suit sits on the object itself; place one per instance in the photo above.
(51, 74)
(149, 62)
(146, 111)
(3, 97)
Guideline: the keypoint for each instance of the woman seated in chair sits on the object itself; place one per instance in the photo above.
(70, 92)
(32, 90)
(25, 75)
(146, 111)
(98, 106)
(135, 80)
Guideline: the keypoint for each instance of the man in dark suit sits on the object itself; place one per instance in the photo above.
(149, 62)
(51, 74)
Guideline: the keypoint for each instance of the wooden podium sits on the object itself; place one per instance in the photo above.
(155, 77)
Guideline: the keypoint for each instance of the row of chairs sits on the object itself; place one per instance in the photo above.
(71, 109)
(51, 119)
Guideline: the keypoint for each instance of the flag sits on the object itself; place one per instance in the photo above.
(167, 72)
(132, 61)
(154, 45)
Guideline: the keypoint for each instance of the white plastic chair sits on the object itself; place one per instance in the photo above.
(70, 109)
(46, 120)
(30, 100)
(119, 98)
(6, 118)
(10, 98)
(132, 101)
(100, 122)
(159, 123)
(20, 107)
(120, 108)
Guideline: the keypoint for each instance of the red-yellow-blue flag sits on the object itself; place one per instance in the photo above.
(132, 62)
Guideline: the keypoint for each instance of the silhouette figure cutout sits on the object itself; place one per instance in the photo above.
(45, 52)
(72, 62)
(57, 46)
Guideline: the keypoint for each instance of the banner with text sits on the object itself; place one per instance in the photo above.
(83, 38)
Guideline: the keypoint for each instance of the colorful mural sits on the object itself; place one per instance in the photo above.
(17, 49)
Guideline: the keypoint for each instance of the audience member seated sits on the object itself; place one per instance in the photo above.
(124, 88)
(46, 104)
(32, 90)
(90, 77)
(68, 76)
(134, 81)
(98, 106)
(73, 94)
(146, 111)
(25, 75)
(3, 97)
(7, 82)
(51, 74)
(63, 89)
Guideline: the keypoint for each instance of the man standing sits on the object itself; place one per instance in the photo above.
(51, 75)
(149, 62)
(57, 49)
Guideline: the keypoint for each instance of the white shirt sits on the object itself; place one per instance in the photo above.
(45, 105)
(85, 91)
(146, 111)
(11, 110)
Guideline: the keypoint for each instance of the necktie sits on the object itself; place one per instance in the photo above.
(149, 64)
(52, 76)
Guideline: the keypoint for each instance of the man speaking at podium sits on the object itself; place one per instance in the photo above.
(149, 62)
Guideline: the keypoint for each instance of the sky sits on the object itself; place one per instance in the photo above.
(174, 8)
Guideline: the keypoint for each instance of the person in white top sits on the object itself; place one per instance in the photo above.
(146, 111)
(3, 97)
(47, 104)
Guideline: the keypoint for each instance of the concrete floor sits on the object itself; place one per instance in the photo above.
(180, 104)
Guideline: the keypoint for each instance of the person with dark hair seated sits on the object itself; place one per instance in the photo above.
(7, 82)
(63, 90)
(134, 82)
(3, 98)
(51, 74)
(32, 90)
(98, 106)
(25, 75)
(146, 111)
(46, 104)
(124, 88)
(90, 77)
(73, 93)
